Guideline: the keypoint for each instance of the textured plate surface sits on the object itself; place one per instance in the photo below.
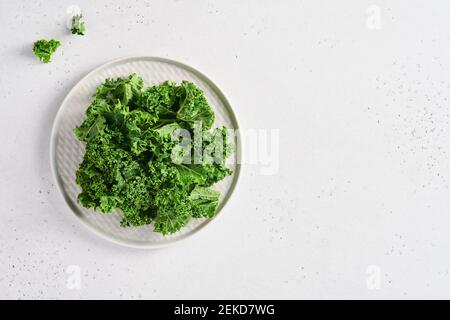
(67, 152)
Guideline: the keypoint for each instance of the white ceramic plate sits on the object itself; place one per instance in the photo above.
(66, 152)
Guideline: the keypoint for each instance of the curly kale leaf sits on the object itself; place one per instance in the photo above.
(120, 89)
(127, 165)
(78, 26)
(205, 201)
(43, 49)
(193, 106)
(184, 103)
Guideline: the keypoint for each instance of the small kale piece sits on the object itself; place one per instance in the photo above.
(43, 49)
(128, 165)
(78, 25)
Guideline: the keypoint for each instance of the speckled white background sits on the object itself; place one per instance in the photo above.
(364, 123)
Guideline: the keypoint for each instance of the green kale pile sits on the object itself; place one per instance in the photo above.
(43, 49)
(132, 153)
